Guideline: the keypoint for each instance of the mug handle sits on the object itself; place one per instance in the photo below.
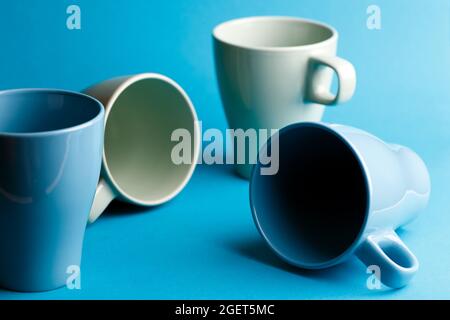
(397, 264)
(103, 197)
(346, 75)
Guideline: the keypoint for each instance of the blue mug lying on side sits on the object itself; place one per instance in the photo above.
(50, 156)
(340, 191)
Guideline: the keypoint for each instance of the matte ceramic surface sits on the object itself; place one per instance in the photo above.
(142, 111)
(50, 157)
(340, 191)
(271, 72)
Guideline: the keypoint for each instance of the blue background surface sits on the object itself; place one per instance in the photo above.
(203, 244)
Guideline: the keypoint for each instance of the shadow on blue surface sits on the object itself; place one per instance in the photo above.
(118, 208)
(256, 250)
(220, 169)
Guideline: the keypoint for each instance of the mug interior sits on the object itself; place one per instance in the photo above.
(272, 32)
(314, 209)
(42, 110)
(138, 142)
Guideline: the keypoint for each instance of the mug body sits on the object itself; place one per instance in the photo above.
(146, 115)
(50, 157)
(398, 178)
(340, 191)
(263, 71)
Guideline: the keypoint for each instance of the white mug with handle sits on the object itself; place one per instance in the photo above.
(275, 71)
(142, 112)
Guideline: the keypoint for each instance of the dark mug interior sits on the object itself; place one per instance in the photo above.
(313, 211)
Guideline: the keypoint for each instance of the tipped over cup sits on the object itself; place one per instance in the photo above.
(142, 112)
(340, 192)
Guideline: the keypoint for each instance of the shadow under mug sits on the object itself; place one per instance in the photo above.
(275, 71)
(142, 113)
(51, 144)
(340, 191)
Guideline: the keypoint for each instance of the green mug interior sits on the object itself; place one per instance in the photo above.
(138, 144)
(272, 32)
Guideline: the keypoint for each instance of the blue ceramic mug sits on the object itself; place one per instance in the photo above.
(50, 156)
(340, 191)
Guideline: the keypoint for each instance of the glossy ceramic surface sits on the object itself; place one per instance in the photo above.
(50, 156)
(142, 112)
(275, 71)
(340, 191)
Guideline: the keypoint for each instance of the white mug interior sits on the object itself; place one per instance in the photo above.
(272, 32)
(138, 146)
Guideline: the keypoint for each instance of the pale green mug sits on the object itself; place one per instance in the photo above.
(142, 112)
(275, 71)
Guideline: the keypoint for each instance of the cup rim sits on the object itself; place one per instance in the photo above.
(368, 184)
(219, 38)
(78, 127)
(109, 106)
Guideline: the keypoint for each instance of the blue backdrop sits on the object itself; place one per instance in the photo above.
(203, 244)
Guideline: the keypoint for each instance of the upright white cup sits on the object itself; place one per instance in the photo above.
(275, 71)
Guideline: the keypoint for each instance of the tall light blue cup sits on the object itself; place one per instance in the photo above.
(340, 191)
(50, 156)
